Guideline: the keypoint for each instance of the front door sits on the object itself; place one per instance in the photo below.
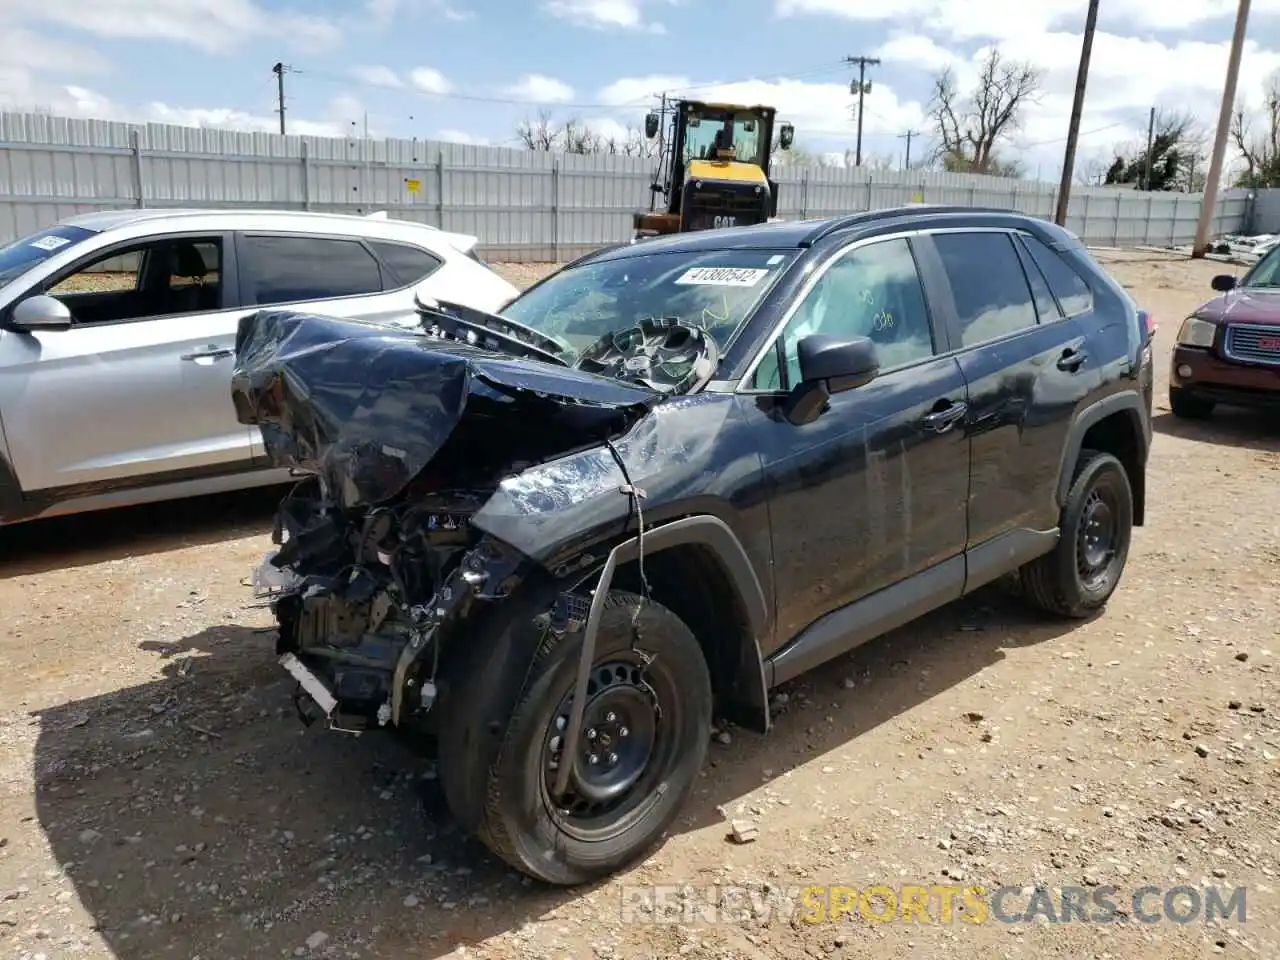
(874, 489)
(139, 385)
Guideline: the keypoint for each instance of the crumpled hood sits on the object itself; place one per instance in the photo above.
(367, 407)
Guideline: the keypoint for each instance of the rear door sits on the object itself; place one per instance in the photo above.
(139, 386)
(1027, 367)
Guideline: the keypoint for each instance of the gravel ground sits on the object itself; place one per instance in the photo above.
(158, 799)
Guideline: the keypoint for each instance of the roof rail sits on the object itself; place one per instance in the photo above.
(828, 227)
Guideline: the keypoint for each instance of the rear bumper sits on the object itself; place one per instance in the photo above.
(1200, 373)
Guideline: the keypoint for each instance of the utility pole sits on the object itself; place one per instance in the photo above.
(1077, 108)
(906, 164)
(1210, 198)
(279, 70)
(1151, 135)
(862, 86)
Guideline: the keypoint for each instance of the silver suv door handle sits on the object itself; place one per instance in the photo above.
(211, 352)
(940, 421)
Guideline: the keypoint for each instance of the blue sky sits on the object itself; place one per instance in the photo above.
(470, 70)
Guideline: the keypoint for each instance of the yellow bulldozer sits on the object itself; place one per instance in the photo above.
(714, 168)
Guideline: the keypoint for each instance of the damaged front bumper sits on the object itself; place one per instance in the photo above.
(405, 438)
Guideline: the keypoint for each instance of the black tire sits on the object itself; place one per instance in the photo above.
(498, 724)
(1064, 582)
(1188, 406)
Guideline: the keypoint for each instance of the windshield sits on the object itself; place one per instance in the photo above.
(700, 141)
(1266, 272)
(21, 255)
(715, 290)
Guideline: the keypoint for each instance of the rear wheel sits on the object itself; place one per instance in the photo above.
(1078, 577)
(644, 737)
(1188, 406)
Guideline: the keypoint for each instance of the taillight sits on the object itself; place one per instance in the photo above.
(1148, 324)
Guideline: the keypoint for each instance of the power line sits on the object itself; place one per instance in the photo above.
(1209, 202)
(908, 136)
(280, 69)
(524, 102)
(862, 88)
(1077, 108)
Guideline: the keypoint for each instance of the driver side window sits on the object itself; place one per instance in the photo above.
(157, 278)
(872, 291)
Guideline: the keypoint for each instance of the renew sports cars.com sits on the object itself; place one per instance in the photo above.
(675, 475)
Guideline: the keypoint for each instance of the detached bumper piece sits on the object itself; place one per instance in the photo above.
(313, 695)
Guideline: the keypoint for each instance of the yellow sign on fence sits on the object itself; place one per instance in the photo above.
(413, 186)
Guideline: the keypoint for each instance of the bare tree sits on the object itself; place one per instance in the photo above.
(575, 136)
(1092, 173)
(538, 134)
(1260, 149)
(970, 130)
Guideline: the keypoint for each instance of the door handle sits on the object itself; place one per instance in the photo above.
(940, 421)
(210, 352)
(1072, 359)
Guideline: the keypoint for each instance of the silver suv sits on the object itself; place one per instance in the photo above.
(117, 333)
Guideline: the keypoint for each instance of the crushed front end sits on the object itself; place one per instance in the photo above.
(402, 438)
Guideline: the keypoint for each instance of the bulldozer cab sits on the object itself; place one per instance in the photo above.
(715, 168)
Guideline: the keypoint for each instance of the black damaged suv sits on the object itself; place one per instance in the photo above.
(674, 475)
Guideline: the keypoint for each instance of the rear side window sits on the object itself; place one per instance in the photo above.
(990, 289)
(405, 265)
(1072, 292)
(289, 269)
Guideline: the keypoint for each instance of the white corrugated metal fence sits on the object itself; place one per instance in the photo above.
(523, 205)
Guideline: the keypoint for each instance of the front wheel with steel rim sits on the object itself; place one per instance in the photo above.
(1078, 577)
(646, 726)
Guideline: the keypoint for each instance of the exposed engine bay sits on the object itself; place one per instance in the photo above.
(379, 563)
(663, 354)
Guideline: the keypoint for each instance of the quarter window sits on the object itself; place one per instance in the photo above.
(290, 269)
(405, 264)
(991, 293)
(873, 291)
(1072, 292)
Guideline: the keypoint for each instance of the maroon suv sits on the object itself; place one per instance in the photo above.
(1228, 350)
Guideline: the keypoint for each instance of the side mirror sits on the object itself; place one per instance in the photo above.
(786, 136)
(829, 365)
(1223, 282)
(40, 312)
(651, 125)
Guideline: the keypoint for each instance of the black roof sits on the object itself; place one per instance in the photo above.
(798, 234)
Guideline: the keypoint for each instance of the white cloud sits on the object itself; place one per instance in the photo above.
(217, 26)
(633, 91)
(917, 51)
(822, 111)
(461, 136)
(429, 80)
(538, 88)
(384, 13)
(77, 102)
(376, 76)
(603, 14)
(999, 18)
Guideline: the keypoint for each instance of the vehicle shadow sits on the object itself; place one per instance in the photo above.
(1230, 426)
(194, 815)
(80, 540)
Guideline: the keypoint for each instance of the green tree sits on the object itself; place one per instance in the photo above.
(1177, 147)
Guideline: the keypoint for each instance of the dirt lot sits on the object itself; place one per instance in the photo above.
(158, 798)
